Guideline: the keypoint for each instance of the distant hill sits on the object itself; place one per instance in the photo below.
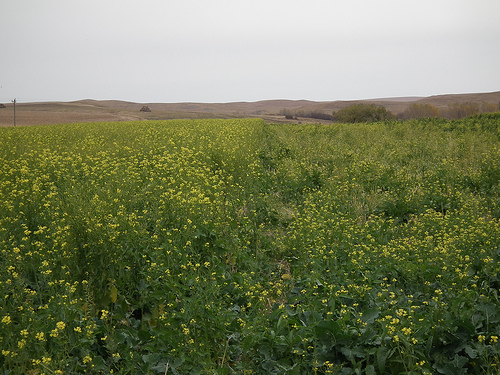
(270, 110)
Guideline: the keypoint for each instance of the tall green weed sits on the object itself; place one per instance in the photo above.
(234, 246)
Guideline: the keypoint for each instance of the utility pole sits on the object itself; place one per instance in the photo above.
(14, 101)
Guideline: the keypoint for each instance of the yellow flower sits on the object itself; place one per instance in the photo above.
(494, 339)
(60, 325)
(481, 338)
(6, 319)
(406, 331)
(40, 336)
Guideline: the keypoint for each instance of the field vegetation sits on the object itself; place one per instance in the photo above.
(235, 246)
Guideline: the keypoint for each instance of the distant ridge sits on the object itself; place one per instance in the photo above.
(401, 99)
(90, 110)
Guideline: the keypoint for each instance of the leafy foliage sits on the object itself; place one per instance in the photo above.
(362, 113)
(420, 110)
(232, 246)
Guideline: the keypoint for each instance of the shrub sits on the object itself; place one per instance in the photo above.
(461, 110)
(420, 110)
(316, 114)
(362, 113)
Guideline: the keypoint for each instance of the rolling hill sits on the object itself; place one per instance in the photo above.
(270, 110)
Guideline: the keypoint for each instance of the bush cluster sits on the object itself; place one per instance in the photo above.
(362, 113)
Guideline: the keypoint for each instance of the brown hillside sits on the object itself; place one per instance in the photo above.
(269, 110)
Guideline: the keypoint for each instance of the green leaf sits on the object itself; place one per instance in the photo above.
(453, 367)
(151, 359)
(353, 353)
(329, 332)
(99, 364)
(382, 355)
(160, 367)
(370, 315)
(428, 346)
(472, 353)
(269, 366)
(311, 317)
(144, 335)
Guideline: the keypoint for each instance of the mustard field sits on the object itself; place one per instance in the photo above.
(239, 247)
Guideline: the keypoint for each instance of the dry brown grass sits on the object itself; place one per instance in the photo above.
(269, 110)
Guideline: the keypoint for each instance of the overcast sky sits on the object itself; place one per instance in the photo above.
(246, 50)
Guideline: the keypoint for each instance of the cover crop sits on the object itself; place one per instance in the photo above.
(233, 246)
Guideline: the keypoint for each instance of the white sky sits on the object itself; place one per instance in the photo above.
(246, 50)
